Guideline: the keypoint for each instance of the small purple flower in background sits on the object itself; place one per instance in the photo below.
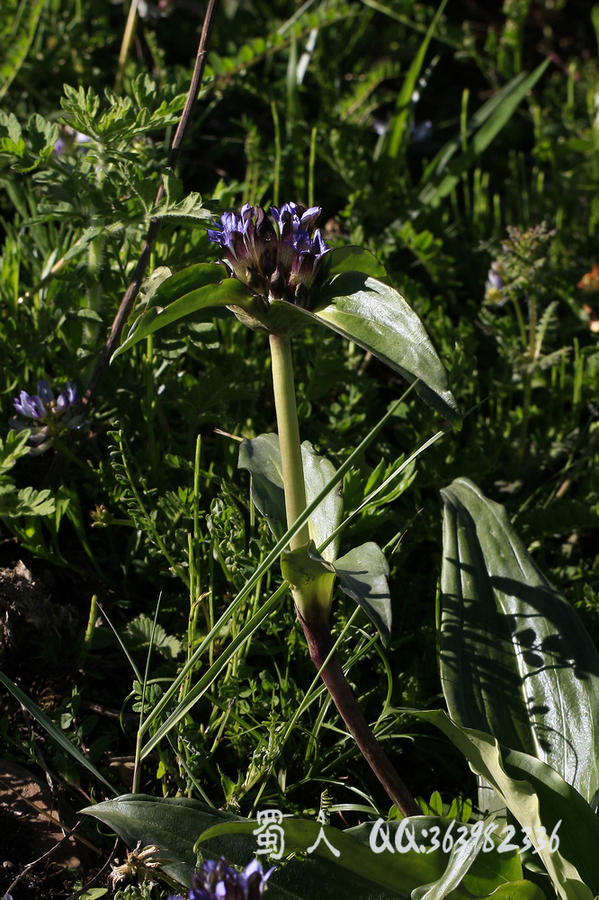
(47, 415)
(280, 257)
(69, 141)
(494, 286)
(219, 881)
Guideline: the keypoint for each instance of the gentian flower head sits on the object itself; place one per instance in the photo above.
(47, 415)
(281, 257)
(219, 881)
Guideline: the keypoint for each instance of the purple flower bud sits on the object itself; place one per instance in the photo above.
(48, 416)
(278, 257)
(30, 405)
(45, 392)
(67, 398)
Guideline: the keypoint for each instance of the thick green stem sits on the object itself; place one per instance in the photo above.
(313, 617)
(289, 438)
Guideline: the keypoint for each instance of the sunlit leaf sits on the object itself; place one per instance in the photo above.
(362, 573)
(196, 291)
(378, 318)
(516, 661)
(363, 576)
(539, 799)
(402, 870)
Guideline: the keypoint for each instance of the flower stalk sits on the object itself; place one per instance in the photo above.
(314, 618)
(289, 438)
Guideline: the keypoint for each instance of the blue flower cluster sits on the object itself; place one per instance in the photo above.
(47, 415)
(219, 881)
(280, 257)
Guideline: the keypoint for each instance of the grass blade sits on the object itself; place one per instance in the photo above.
(438, 188)
(54, 732)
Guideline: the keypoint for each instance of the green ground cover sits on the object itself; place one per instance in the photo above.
(460, 147)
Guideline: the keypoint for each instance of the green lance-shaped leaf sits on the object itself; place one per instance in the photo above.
(395, 856)
(190, 291)
(379, 319)
(261, 456)
(179, 827)
(362, 573)
(516, 661)
(541, 801)
(354, 304)
(175, 825)
(172, 825)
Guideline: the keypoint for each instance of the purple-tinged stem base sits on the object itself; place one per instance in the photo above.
(319, 645)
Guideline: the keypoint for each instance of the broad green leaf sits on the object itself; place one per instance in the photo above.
(355, 259)
(539, 798)
(515, 659)
(363, 576)
(458, 868)
(195, 291)
(378, 318)
(261, 456)
(518, 890)
(362, 573)
(437, 188)
(318, 472)
(54, 732)
(397, 856)
(172, 825)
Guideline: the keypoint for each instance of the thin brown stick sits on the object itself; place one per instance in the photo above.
(138, 275)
